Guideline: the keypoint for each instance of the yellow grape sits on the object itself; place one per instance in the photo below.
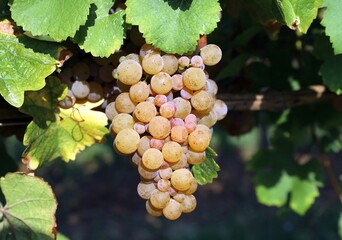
(211, 54)
(159, 199)
(124, 104)
(199, 139)
(170, 64)
(172, 210)
(172, 152)
(127, 141)
(129, 72)
(189, 203)
(145, 189)
(145, 111)
(122, 121)
(179, 134)
(181, 179)
(144, 144)
(161, 83)
(183, 108)
(139, 92)
(194, 157)
(182, 163)
(194, 78)
(159, 127)
(152, 159)
(202, 101)
(152, 63)
(152, 210)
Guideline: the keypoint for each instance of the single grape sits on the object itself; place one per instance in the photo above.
(95, 92)
(135, 57)
(163, 185)
(181, 179)
(139, 127)
(157, 143)
(161, 83)
(194, 78)
(196, 61)
(144, 144)
(177, 82)
(136, 159)
(165, 173)
(202, 101)
(127, 141)
(172, 152)
(80, 89)
(209, 120)
(152, 210)
(211, 54)
(179, 134)
(145, 173)
(129, 72)
(186, 93)
(167, 110)
(172, 210)
(184, 61)
(111, 111)
(152, 63)
(159, 199)
(145, 189)
(160, 100)
(199, 139)
(152, 159)
(221, 109)
(194, 157)
(179, 197)
(145, 111)
(146, 49)
(189, 204)
(159, 127)
(183, 107)
(124, 104)
(191, 118)
(170, 64)
(139, 92)
(122, 121)
(176, 122)
(211, 87)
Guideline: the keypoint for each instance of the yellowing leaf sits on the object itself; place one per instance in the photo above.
(72, 131)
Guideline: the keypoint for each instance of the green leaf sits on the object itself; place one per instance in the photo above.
(173, 26)
(332, 21)
(59, 19)
(61, 236)
(331, 71)
(42, 104)
(278, 176)
(298, 13)
(30, 208)
(72, 130)
(207, 170)
(21, 69)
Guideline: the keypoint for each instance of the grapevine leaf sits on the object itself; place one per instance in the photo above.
(106, 36)
(59, 19)
(277, 175)
(173, 26)
(61, 236)
(30, 208)
(21, 69)
(42, 104)
(72, 130)
(207, 170)
(331, 70)
(298, 13)
(332, 21)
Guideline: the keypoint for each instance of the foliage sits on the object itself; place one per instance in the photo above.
(259, 56)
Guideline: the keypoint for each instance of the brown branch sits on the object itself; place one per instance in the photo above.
(326, 163)
(276, 101)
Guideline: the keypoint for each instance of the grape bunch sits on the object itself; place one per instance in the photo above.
(162, 116)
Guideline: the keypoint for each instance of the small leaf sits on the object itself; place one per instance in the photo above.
(332, 21)
(59, 19)
(72, 131)
(21, 69)
(30, 208)
(331, 71)
(42, 104)
(277, 175)
(207, 170)
(173, 26)
(298, 13)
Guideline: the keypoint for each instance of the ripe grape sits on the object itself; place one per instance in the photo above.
(172, 152)
(152, 63)
(80, 89)
(95, 92)
(152, 210)
(159, 127)
(199, 139)
(184, 61)
(145, 189)
(129, 72)
(165, 173)
(111, 111)
(152, 159)
(211, 54)
(145, 111)
(181, 179)
(127, 141)
(124, 104)
(177, 82)
(163, 185)
(179, 134)
(189, 203)
(139, 92)
(122, 121)
(202, 101)
(183, 107)
(167, 110)
(170, 64)
(159, 199)
(172, 210)
(161, 83)
(194, 78)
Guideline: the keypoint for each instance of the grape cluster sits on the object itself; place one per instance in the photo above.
(162, 116)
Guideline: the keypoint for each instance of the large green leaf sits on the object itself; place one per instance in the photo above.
(331, 72)
(72, 130)
(42, 104)
(59, 19)
(332, 21)
(173, 26)
(30, 208)
(21, 69)
(277, 175)
(298, 13)
(205, 172)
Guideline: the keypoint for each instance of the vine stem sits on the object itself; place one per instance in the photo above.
(326, 163)
(276, 101)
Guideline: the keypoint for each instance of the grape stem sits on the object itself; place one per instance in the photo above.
(276, 101)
